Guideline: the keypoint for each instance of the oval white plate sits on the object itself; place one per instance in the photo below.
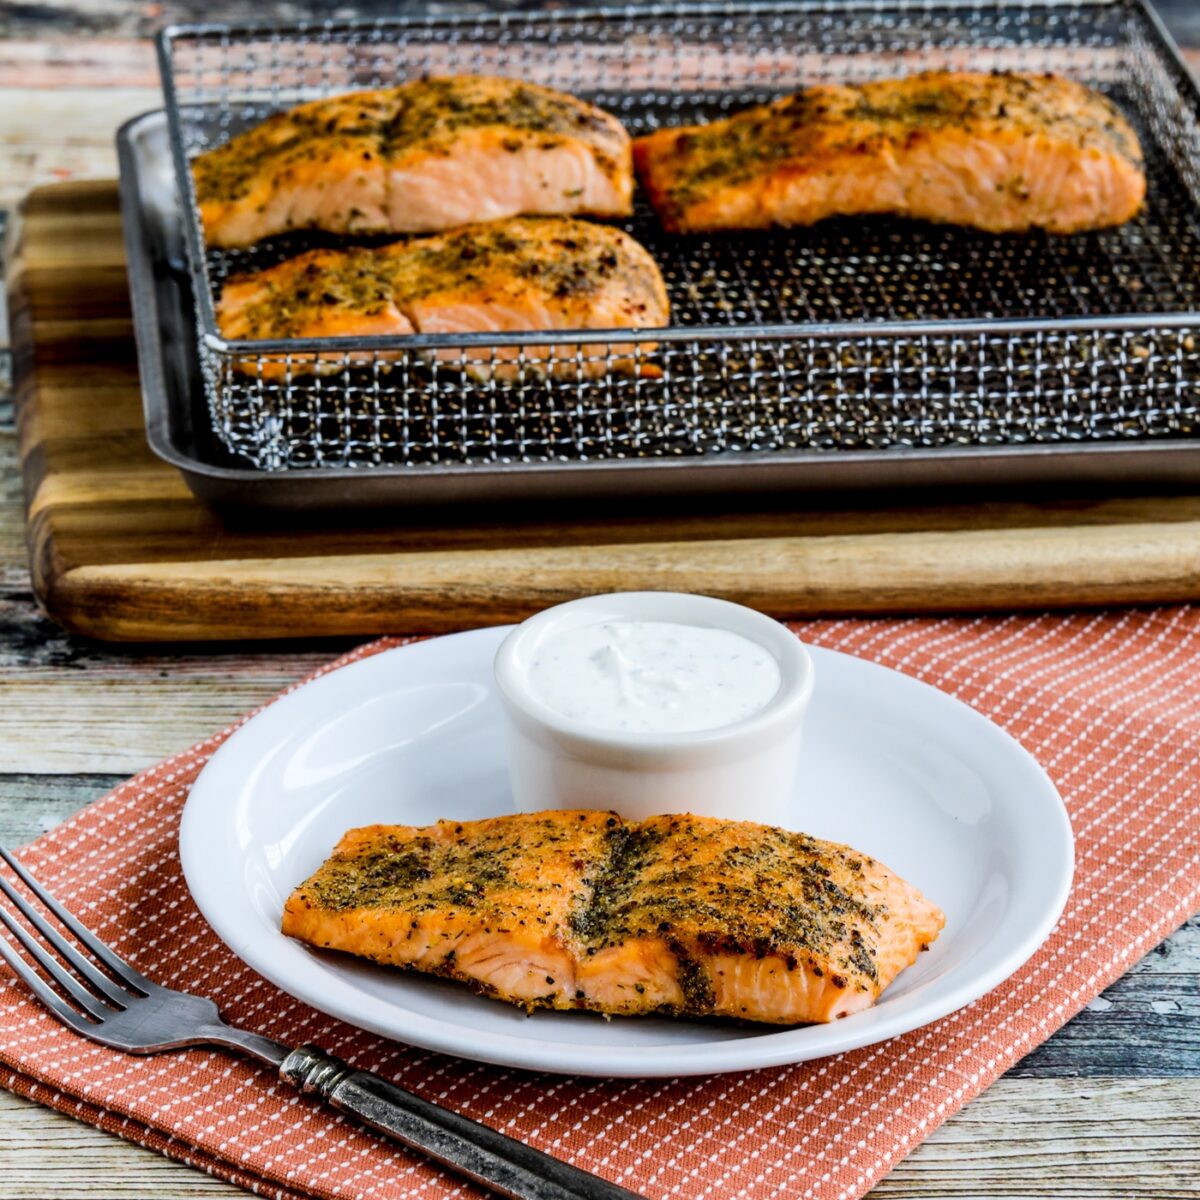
(892, 766)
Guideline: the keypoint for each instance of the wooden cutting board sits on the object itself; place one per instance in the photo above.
(121, 550)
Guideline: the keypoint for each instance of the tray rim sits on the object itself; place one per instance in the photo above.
(1174, 462)
(743, 332)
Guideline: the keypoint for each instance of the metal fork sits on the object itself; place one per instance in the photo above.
(120, 1008)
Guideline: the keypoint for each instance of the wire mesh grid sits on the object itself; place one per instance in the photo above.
(810, 339)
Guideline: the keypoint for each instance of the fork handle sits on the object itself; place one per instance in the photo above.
(500, 1163)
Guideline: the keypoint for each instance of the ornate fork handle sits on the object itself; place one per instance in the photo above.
(483, 1154)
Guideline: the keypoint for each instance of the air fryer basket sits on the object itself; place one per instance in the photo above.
(867, 334)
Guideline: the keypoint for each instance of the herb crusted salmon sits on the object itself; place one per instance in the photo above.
(999, 152)
(429, 155)
(528, 273)
(677, 915)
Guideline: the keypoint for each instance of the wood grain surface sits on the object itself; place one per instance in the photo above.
(121, 551)
(1104, 1109)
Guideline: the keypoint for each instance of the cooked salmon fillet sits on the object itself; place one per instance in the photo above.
(999, 152)
(427, 156)
(526, 273)
(677, 915)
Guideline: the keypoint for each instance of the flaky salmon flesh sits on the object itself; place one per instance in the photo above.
(527, 273)
(429, 155)
(999, 152)
(677, 915)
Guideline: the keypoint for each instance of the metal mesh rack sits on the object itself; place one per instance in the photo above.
(866, 334)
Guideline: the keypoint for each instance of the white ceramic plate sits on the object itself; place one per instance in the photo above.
(892, 766)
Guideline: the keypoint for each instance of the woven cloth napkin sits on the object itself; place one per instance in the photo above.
(1107, 702)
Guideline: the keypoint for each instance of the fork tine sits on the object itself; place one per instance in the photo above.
(81, 965)
(117, 965)
(66, 981)
(41, 989)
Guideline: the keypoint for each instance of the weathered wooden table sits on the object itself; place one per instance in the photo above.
(1110, 1106)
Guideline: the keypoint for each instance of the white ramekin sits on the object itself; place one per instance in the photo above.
(744, 771)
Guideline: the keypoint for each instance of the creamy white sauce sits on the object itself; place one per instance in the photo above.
(653, 676)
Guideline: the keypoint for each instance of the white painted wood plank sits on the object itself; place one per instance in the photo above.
(1063, 1138)
(119, 717)
(48, 1156)
(90, 62)
(50, 135)
(31, 805)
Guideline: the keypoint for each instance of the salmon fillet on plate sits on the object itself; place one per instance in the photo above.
(528, 273)
(999, 152)
(429, 155)
(677, 915)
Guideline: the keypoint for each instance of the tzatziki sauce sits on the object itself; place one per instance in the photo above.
(653, 676)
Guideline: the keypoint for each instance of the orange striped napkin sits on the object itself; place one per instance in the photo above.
(1107, 702)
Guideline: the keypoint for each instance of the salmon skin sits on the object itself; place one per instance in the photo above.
(999, 152)
(677, 915)
(430, 155)
(527, 273)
